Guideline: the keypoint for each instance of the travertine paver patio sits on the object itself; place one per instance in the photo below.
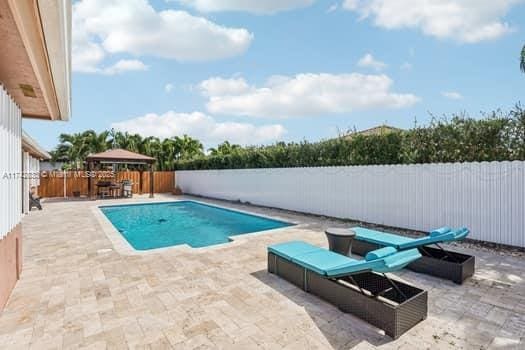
(76, 291)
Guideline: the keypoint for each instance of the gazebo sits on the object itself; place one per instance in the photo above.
(120, 156)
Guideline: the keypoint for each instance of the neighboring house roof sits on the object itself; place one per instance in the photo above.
(35, 62)
(33, 148)
(376, 130)
(120, 155)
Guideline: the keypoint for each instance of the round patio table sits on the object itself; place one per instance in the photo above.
(340, 240)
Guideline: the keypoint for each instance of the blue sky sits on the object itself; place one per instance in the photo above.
(256, 72)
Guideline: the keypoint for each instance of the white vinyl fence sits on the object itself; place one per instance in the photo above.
(488, 198)
(10, 163)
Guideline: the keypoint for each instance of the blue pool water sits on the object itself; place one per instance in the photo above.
(157, 225)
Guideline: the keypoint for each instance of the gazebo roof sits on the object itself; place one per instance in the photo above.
(120, 156)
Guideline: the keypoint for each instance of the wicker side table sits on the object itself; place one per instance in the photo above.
(340, 240)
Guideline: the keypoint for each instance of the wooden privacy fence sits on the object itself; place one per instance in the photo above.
(55, 183)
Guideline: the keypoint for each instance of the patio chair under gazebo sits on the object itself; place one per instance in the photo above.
(120, 156)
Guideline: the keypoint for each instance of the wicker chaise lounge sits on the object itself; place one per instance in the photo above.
(435, 261)
(352, 285)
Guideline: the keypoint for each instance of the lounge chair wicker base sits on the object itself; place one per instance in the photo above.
(390, 305)
(452, 266)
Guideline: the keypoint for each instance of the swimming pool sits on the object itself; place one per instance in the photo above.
(159, 225)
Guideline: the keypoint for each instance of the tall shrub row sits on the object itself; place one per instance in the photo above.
(496, 136)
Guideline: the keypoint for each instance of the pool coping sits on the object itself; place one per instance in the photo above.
(123, 247)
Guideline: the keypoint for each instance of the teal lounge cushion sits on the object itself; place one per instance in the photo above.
(399, 260)
(423, 241)
(391, 260)
(380, 253)
(440, 231)
(356, 266)
(461, 233)
(443, 234)
(330, 264)
(323, 261)
(289, 250)
(379, 237)
(388, 260)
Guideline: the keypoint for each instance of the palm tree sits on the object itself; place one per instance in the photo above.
(120, 140)
(189, 147)
(75, 147)
(97, 142)
(148, 146)
(224, 149)
(128, 141)
(60, 155)
(170, 150)
(522, 61)
(135, 141)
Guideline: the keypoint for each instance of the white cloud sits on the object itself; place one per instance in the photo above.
(87, 56)
(200, 126)
(103, 27)
(168, 88)
(88, 59)
(124, 66)
(305, 95)
(219, 86)
(453, 95)
(467, 21)
(252, 6)
(368, 61)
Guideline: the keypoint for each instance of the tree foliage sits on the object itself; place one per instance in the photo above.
(496, 136)
(74, 148)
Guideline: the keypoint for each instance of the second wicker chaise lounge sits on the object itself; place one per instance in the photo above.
(435, 261)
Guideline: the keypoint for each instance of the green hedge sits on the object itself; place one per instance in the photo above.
(495, 137)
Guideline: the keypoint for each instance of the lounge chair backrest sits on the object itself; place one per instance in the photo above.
(440, 235)
(380, 253)
(383, 260)
(379, 237)
(461, 233)
(401, 259)
(440, 231)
